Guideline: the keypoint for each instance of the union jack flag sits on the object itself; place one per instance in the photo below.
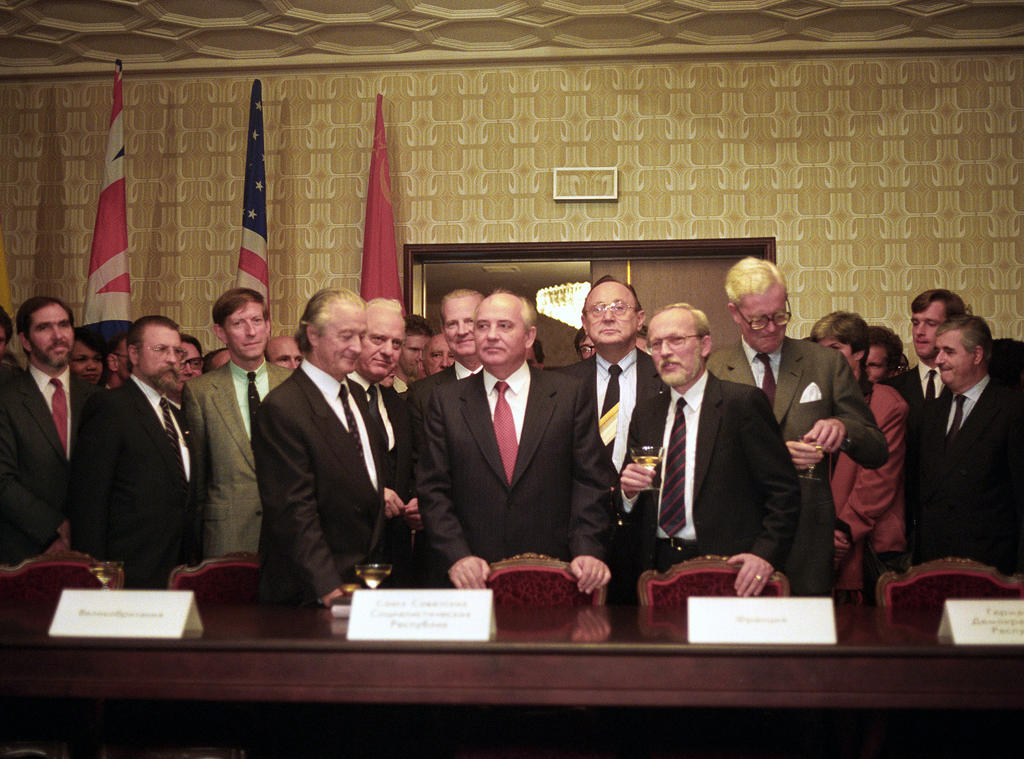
(253, 271)
(108, 293)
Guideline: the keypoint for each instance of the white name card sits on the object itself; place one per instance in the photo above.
(126, 614)
(421, 615)
(980, 622)
(760, 620)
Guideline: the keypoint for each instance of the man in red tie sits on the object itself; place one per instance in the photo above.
(512, 461)
(39, 415)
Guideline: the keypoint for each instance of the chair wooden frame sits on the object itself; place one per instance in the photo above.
(948, 565)
(543, 562)
(39, 564)
(206, 566)
(716, 564)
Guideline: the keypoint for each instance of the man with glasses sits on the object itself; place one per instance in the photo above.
(816, 401)
(727, 486)
(129, 490)
(616, 377)
(220, 406)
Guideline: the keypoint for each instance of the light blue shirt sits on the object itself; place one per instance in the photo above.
(627, 401)
(240, 378)
(971, 397)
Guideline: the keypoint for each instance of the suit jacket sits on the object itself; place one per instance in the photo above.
(33, 468)
(972, 491)
(871, 501)
(809, 566)
(746, 496)
(556, 502)
(223, 471)
(127, 500)
(321, 512)
(418, 397)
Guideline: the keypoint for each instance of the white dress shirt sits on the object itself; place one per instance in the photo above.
(516, 395)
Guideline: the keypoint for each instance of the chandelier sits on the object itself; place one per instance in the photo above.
(563, 302)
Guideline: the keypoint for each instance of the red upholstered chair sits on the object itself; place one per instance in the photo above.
(928, 585)
(43, 577)
(535, 580)
(703, 576)
(231, 578)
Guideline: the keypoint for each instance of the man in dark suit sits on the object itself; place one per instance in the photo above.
(317, 467)
(219, 407)
(972, 456)
(40, 412)
(728, 485)
(617, 377)
(512, 461)
(388, 420)
(921, 384)
(457, 309)
(816, 401)
(129, 494)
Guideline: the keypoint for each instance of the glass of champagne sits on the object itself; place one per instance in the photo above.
(372, 574)
(106, 571)
(649, 457)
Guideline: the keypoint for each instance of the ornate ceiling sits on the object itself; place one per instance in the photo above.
(56, 37)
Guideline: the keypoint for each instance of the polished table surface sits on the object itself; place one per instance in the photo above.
(594, 656)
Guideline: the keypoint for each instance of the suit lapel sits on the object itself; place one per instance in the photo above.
(790, 372)
(35, 405)
(540, 404)
(152, 425)
(226, 402)
(707, 432)
(648, 382)
(736, 366)
(477, 413)
(982, 417)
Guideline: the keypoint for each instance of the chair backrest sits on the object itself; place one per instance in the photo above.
(538, 581)
(231, 578)
(928, 585)
(704, 576)
(43, 577)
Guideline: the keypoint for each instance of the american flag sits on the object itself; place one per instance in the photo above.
(108, 293)
(253, 271)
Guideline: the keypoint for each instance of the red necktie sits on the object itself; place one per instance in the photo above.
(768, 382)
(505, 431)
(59, 409)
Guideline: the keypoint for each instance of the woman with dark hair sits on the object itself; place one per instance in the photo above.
(89, 357)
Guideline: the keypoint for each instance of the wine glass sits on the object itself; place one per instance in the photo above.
(649, 457)
(372, 574)
(106, 571)
(811, 472)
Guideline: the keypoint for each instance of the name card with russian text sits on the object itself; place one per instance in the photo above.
(983, 622)
(760, 620)
(126, 614)
(421, 615)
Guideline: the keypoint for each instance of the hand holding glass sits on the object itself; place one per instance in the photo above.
(649, 457)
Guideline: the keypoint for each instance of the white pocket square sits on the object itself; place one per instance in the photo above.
(811, 393)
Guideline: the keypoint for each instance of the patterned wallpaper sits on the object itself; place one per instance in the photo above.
(879, 176)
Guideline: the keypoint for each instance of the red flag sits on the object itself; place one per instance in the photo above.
(380, 259)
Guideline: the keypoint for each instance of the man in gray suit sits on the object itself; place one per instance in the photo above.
(219, 407)
(816, 402)
(40, 411)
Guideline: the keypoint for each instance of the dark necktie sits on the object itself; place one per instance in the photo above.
(172, 437)
(929, 393)
(673, 492)
(505, 431)
(373, 409)
(59, 409)
(958, 418)
(609, 421)
(254, 401)
(768, 381)
(350, 420)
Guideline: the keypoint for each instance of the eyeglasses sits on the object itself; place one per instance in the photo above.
(586, 351)
(779, 318)
(617, 308)
(675, 342)
(162, 351)
(193, 363)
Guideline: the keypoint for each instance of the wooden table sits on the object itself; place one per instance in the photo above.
(588, 657)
